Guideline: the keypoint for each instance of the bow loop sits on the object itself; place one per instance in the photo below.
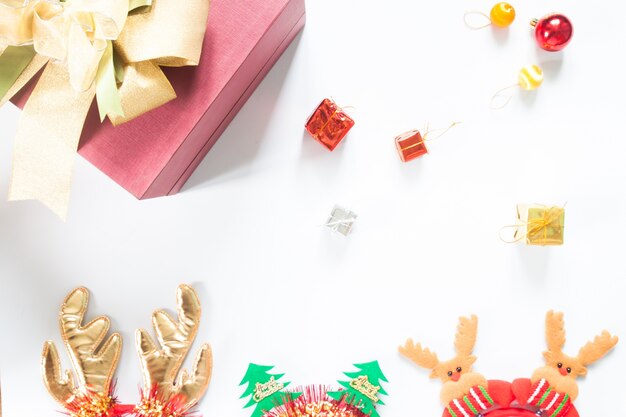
(15, 18)
(169, 35)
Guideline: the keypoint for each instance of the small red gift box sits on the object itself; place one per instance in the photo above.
(155, 154)
(410, 145)
(329, 124)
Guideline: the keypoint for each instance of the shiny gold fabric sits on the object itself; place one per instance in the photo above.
(161, 363)
(145, 87)
(73, 36)
(93, 363)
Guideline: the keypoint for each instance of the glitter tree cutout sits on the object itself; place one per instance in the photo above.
(364, 388)
(264, 389)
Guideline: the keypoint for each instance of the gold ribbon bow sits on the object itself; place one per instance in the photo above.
(110, 49)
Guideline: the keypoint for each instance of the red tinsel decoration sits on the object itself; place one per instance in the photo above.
(314, 402)
(95, 404)
(154, 405)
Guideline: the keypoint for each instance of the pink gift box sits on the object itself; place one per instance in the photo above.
(155, 154)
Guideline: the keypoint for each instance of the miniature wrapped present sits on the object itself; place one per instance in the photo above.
(410, 145)
(341, 220)
(540, 225)
(329, 124)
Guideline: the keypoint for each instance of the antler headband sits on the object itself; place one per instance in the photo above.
(548, 393)
(167, 392)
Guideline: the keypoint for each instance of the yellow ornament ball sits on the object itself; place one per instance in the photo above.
(530, 77)
(502, 15)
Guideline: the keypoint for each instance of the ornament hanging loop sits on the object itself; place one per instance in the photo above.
(501, 15)
(503, 95)
(469, 18)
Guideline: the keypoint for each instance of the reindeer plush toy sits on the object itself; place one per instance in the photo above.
(552, 388)
(464, 392)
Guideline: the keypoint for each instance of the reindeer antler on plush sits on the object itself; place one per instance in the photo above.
(94, 363)
(456, 373)
(562, 370)
(167, 391)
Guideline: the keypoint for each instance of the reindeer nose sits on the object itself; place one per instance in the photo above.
(563, 371)
(455, 376)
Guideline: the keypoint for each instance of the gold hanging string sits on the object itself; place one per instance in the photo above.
(468, 22)
(507, 97)
(427, 131)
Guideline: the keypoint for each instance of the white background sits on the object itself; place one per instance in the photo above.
(277, 288)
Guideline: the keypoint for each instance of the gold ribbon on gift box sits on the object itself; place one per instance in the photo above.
(540, 225)
(108, 49)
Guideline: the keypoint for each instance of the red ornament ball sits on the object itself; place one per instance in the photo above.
(553, 32)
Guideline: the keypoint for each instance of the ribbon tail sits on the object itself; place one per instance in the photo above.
(145, 88)
(47, 138)
(13, 61)
(107, 96)
(33, 67)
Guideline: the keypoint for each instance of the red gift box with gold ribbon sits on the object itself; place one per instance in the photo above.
(155, 153)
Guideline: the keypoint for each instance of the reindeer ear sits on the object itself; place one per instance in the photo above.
(548, 356)
(466, 335)
(471, 359)
(555, 331)
(434, 374)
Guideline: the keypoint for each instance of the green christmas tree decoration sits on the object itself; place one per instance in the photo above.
(264, 389)
(364, 388)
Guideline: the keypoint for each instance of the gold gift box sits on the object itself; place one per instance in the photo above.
(541, 225)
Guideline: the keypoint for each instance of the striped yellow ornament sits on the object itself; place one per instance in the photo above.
(530, 77)
(502, 15)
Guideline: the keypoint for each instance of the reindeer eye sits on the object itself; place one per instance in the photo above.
(560, 365)
(449, 373)
(569, 370)
(459, 369)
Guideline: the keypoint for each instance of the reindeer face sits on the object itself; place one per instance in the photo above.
(453, 369)
(564, 364)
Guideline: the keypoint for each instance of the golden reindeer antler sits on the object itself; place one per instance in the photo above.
(161, 366)
(94, 365)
